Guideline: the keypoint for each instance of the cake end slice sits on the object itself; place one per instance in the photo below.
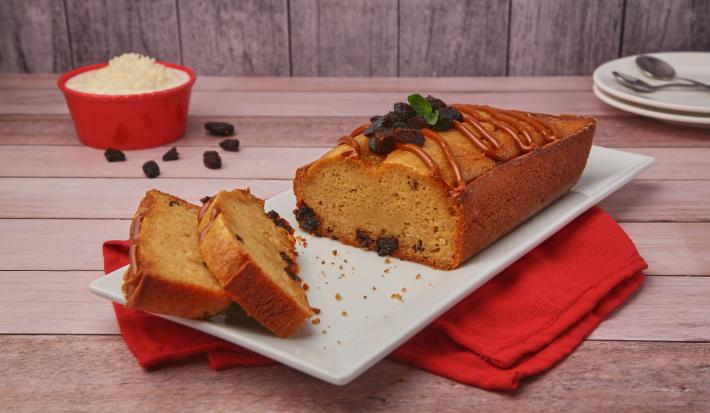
(167, 274)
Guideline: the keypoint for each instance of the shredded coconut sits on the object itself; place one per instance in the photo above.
(128, 74)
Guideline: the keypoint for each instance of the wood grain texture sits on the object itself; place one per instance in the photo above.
(343, 37)
(34, 37)
(453, 38)
(598, 376)
(102, 29)
(639, 201)
(405, 85)
(248, 37)
(75, 244)
(325, 103)
(665, 309)
(256, 162)
(657, 25)
(563, 36)
(612, 131)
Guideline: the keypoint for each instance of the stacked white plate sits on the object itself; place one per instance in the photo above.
(684, 106)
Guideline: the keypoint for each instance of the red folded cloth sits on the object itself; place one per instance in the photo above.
(521, 323)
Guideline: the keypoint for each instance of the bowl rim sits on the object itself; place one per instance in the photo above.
(64, 78)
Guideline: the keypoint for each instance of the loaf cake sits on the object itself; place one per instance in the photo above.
(436, 184)
(253, 256)
(167, 274)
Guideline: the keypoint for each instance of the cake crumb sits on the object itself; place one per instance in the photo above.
(335, 253)
(338, 296)
(324, 332)
(305, 287)
(322, 262)
(387, 270)
(315, 321)
(316, 310)
(418, 277)
(396, 296)
(344, 313)
(302, 240)
(341, 267)
(374, 288)
(339, 343)
(364, 297)
(345, 260)
(387, 260)
(404, 289)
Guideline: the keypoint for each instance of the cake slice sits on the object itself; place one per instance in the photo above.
(253, 256)
(436, 184)
(167, 274)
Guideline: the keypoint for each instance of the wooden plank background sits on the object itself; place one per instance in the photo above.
(349, 37)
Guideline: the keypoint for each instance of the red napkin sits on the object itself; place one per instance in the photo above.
(521, 323)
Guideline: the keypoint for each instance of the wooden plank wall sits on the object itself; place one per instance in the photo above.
(349, 37)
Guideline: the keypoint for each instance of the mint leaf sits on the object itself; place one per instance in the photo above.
(432, 117)
(420, 105)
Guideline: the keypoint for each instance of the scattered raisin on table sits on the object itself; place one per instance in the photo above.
(219, 128)
(212, 160)
(363, 238)
(230, 145)
(114, 155)
(386, 245)
(151, 169)
(171, 155)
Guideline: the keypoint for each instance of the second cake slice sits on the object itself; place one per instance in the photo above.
(253, 256)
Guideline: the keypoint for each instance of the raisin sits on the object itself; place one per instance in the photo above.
(363, 238)
(286, 258)
(151, 169)
(374, 127)
(292, 275)
(404, 111)
(417, 122)
(386, 245)
(418, 247)
(382, 142)
(436, 104)
(114, 155)
(307, 218)
(374, 118)
(219, 128)
(230, 145)
(171, 155)
(414, 136)
(280, 222)
(212, 160)
(205, 199)
(446, 118)
(240, 239)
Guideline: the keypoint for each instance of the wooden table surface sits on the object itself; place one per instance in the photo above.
(59, 200)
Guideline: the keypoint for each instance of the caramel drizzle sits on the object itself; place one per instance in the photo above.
(134, 237)
(213, 216)
(490, 152)
(503, 122)
(451, 158)
(428, 161)
(350, 141)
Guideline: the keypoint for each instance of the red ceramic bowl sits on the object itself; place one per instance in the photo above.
(137, 121)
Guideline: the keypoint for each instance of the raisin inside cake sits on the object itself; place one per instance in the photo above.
(438, 193)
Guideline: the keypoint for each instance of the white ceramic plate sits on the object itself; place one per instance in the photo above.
(694, 65)
(668, 116)
(375, 326)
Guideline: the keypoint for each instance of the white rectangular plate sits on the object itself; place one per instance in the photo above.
(356, 332)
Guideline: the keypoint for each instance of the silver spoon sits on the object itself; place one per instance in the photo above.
(660, 69)
(639, 85)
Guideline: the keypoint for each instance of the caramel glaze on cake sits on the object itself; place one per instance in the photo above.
(447, 199)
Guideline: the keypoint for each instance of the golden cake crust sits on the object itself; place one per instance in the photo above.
(145, 288)
(247, 283)
(499, 197)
